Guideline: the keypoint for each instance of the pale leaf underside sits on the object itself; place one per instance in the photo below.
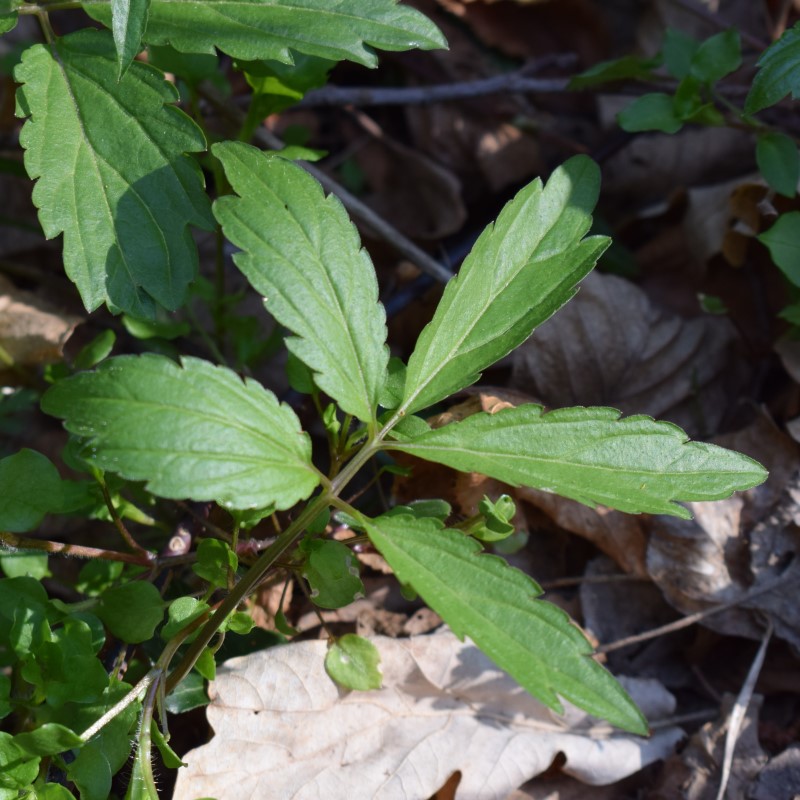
(196, 431)
(482, 597)
(521, 271)
(112, 174)
(128, 21)
(304, 255)
(633, 464)
(271, 29)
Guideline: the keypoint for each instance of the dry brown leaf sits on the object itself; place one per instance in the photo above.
(732, 547)
(32, 331)
(283, 729)
(695, 773)
(611, 346)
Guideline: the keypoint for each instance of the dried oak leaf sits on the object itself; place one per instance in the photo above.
(283, 729)
(611, 346)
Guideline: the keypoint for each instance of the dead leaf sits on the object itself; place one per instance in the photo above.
(611, 346)
(780, 777)
(695, 773)
(732, 547)
(283, 729)
(32, 331)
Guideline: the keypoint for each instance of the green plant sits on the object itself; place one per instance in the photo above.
(147, 429)
(698, 99)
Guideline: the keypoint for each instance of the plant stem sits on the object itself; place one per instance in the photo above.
(120, 525)
(14, 542)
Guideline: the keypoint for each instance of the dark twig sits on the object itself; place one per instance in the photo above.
(14, 542)
(718, 21)
(360, 211)
(510, 83)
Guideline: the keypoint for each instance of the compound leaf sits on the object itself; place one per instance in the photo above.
(778, 74)
(195, 431)
(591, 455)
(302, 252)
(112, 174)
(251, 29)
(521, 270)
(128, 21)
(482, 597)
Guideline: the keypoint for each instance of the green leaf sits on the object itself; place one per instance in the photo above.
(482, 597)
(679, 49)
(717, 57)
(96, 351)
(53, 791)
(8, 18)
(778, 74)
(30, 487)
(354, 662)
(182, 611)
(196, 431)
(619, 69)
(190, 693)
(779, 162)
(302, 252)
(278, 86)
(206, 665)
(650, 112)
(170, 758)
(332, 572)
(5, 696)
(124, 218)
(128, 21)
(48, 740)
(271, 29)
(215, 562)
(591, 455)
(521, 270)
(17, 768)
(15, 565)
(783, 242)
(131, 611)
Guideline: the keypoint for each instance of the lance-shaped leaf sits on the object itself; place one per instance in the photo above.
(521, 271)
(633, 464)
(112, 172)
(778, 73)
(250, 29)
(195, 431)
(482, 597)
(128, 21)
(304, 255)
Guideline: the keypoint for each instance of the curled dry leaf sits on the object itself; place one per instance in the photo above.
(654, 363)
(32, 331)
(283, 729)
(734, 547)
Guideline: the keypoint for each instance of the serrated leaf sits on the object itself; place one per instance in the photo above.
(482, 597)
(124, 218)
(271, 29)
(521, 270)
(783, 241)
(30, 487)
(302, 252)
(779, 162)
(354, 662)
(591, 455)
(778, 74)
(128, 21)
(195, 431)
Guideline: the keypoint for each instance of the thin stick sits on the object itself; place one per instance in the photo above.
(14, 542)
(739, 710)
(357, 209)
(718, 21)
(687, 622)
(361, 96)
